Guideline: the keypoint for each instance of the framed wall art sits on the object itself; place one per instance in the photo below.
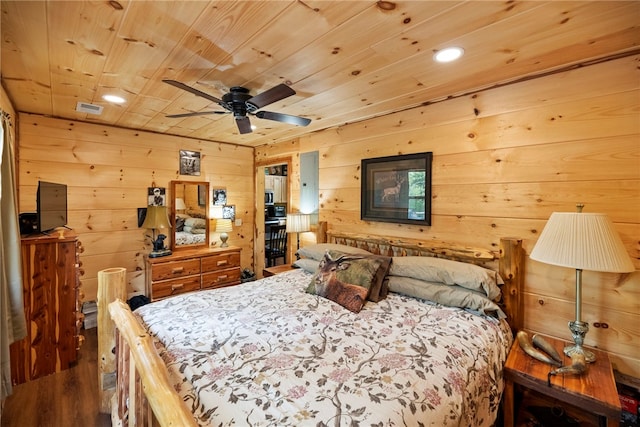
(397, 189)
(189, 162)
(156, 196)
(229, 212)
(219, 196)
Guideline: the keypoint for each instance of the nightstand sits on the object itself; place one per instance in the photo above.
(272, 271)
(591, 397)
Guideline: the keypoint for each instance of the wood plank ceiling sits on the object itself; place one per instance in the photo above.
(347, 60)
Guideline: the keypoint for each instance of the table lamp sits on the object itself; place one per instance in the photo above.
(223, 225)
(584, 241)
(180, 205)
(157, 219)
(298, 223)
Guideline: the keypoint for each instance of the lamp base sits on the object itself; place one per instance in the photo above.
(579, 330)
(223, 238)
(570, 350)
(159, 253)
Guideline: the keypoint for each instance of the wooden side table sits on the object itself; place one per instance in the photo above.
(594, 392)
(272, 271)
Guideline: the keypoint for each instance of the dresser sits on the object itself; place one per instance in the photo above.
(192, 270)
(51, 285)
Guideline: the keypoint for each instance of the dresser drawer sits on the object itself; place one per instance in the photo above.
(221, 261)
(172, 269)
(216, 279)
(167, 288)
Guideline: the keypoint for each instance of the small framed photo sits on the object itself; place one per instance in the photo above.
(229, 211)
(189, 162)
(220, 196)
(156, 196)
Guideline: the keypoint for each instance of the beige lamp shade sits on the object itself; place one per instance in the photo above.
(298, 223)
(584, 241)
(223, 225)
(156, 218)
(180, 206)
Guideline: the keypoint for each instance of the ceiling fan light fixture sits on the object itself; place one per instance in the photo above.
(448, 54)
(114, 98)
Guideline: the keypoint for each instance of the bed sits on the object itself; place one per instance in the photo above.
(275, 353)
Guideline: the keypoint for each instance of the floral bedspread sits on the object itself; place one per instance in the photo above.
(266, 353)
(185, 238)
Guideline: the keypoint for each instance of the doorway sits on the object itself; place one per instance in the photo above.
(272, 204)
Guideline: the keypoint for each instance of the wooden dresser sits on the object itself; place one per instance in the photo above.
(192, 270)
(51, 284)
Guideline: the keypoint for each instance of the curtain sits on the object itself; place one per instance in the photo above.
(12, 321)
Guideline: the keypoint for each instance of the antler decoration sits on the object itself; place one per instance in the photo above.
(541, 350)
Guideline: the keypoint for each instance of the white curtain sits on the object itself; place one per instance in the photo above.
(12, 322)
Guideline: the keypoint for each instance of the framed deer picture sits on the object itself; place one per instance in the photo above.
(397, 189)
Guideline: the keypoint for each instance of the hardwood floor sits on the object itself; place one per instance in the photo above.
(65, 399)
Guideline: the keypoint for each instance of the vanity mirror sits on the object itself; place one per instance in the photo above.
(189, 214)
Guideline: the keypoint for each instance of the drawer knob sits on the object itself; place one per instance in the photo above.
(177, 287)
(223, 262)
(177, 270)
(222, 277)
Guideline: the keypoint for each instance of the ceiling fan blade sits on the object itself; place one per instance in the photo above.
(270, 96)
(194, 91)
(285, 118)
(201, 113)
(244, 125)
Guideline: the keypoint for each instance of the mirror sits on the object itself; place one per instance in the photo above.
(189, 214)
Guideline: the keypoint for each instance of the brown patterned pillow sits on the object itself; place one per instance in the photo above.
(346, 278)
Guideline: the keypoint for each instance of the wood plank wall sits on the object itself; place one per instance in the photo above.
(108, 171)
(504, 160)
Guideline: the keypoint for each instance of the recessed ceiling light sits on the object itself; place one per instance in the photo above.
(114, 98)
(449, 54)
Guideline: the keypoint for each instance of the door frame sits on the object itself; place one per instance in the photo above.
(258, 232)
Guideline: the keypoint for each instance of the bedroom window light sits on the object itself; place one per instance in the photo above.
(448, 54)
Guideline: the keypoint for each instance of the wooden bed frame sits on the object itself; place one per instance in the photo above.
(144, 395)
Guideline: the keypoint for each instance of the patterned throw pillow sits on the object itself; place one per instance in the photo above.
(345, 279)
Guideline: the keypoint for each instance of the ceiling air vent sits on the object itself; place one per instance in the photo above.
(84, 107)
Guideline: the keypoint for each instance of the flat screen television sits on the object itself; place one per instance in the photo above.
(52, 206)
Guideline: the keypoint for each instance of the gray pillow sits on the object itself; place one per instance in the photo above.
(448, 272)
(318, 250)
(450, 295)
(307, 264)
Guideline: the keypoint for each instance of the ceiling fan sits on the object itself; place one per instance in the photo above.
(241, 104)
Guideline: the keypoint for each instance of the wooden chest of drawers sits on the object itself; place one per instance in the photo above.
(51, 282)
(192, 270)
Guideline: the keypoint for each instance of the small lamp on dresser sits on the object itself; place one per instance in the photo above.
(583, 241)
(157, 221)
(223, 226)
(298, 223)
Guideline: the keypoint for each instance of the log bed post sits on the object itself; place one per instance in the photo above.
(147, 376)
(111, 286)
(511, 270)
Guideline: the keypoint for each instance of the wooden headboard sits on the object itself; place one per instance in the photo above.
(508, 261)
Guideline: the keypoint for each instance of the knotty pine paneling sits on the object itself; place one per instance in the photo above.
(108, 170)
(504, 160)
